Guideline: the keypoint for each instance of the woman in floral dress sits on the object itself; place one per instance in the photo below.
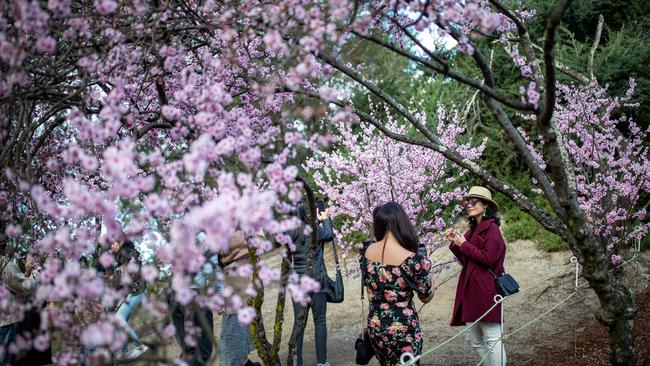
(392, 271)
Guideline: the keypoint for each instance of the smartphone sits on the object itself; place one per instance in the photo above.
(320, 204)
(422, 250)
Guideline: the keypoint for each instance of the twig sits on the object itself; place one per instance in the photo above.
(594, 47)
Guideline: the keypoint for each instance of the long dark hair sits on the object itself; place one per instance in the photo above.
(301, 212)
(126, 252)
(392, 217)
(491, 213)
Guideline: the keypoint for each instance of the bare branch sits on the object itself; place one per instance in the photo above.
(594, 47)
(566, 70)
(548, 97)
(444, 69)
(158, 125)
(162, 96)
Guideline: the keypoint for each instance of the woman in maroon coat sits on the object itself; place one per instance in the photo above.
(481, 249)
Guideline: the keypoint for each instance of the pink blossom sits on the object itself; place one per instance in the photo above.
(105, 7)
(46, 44)
(106, 259)
(353, 182)
(13, 230)
(489, 23)
(170, 113)
(532, 94)
(274, 42)
(246, 315)
(301, 287)
(169, 331)
(60, 8)
(149, 273)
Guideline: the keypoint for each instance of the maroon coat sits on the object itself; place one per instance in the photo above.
(476, 290)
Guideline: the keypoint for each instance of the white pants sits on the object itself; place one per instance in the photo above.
(486, 338)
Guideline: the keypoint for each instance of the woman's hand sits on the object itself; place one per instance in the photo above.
(456, 238)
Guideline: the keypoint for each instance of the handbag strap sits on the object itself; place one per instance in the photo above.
(336, 257)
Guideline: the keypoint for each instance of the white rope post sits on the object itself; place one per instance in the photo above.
(497, 299)
(408, 359)
(574, 259)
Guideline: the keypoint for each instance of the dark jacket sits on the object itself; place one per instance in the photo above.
(476, 290)
(303, 245)
(124, 257)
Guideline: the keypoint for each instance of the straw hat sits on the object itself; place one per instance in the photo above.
(482, 193)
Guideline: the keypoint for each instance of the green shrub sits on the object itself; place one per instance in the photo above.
(518, 225)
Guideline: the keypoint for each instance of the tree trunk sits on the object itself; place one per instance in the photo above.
(279, 310)
(618, 308)
(258, 332)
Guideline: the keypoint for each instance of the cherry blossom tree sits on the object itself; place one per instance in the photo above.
(395, 26)
(368, 168)
(145, 110)
(179, 115)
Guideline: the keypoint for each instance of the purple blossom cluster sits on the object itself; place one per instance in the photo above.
(368, 168)
(612, 169)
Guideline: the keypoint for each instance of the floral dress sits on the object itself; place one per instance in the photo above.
(393, 323)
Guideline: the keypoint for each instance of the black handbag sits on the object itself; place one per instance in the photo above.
(334, 290)
(365, 351)
(506, 284)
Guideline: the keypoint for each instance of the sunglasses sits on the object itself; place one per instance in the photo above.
(471, 202)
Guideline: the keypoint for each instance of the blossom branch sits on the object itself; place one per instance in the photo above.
(446, 70)
(524, 36)
(513, 134)
(552, 223)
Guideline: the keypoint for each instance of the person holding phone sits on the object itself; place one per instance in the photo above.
(481, 250)
(393, 271)
(318, 304)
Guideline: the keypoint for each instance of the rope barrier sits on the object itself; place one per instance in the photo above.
(416, 358)
(506, 336)
(408, 359)
(480, 362)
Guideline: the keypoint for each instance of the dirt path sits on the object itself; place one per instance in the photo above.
(527, 264)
